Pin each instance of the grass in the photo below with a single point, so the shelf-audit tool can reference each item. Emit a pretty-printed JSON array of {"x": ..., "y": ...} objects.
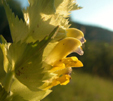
[{"x": 83, "y": 87}]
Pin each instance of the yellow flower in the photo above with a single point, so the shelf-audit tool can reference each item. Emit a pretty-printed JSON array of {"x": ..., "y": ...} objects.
[
  {"x": 76, "y": 33},
  {"x": 64, "y": 48},
  {"x": 63, "y": 80},
  {"x": 37, "y": 59},
  {"x": 62, "y": 64}
]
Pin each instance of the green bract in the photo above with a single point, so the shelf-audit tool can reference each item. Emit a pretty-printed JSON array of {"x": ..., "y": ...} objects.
[{"x": 26, "y": 60}]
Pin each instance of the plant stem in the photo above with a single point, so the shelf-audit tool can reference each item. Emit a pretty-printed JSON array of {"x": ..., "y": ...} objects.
[{"x": 8, "y": 81}]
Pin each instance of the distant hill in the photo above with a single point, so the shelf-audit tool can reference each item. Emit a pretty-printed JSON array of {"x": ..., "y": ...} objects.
[{"x": 94, "y": 33}]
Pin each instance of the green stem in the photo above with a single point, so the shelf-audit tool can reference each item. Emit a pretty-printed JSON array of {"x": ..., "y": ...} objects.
[{"x": 8, "y": 81}]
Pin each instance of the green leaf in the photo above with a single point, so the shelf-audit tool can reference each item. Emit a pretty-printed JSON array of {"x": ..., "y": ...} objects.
[
  {"x": 45, "y": 6},
  {"x": 36, "y": 21},
  {"x": 58, "y": 2},
  {"x": 4, "y": 46},
  {"x": 26, "y": 60},
  {"x": 2, "y": 72},
  {"x": 15, "y": 98},
  {"x": 2, "y": 40},
  {"x": 3, "y": 93},
  {"x": 64, "y": 7},
  {"x": 21, "y": 92},
  {"x": 76, "y": 7},
  {"x": 18, "y": 28},
  {"x": 26, "y": 63}
]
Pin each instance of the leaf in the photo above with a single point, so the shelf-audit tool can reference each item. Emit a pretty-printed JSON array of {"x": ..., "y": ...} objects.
[
  {"x": 26, "y": 61},
  {"x": 18, "y": 28},
  {"x": 16, "y": 98},
  {"x": 2, "y": 72},
  {"x": 65, "y": 7},
  {"x": 20, "y": 90},
  {"x": 45, "y": 6},
  {"x": 4, "y": 46},
  {"x": 76, "y": 7},
  {"x": 2, "y": 40},
  {"x": 58, "y": 2},
  {"x": 36, "y": 21},
  {"x": 21, "y": 93}
]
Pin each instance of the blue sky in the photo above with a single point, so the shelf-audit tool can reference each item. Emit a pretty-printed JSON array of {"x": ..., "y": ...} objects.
[{"x": 95, "y": 12}]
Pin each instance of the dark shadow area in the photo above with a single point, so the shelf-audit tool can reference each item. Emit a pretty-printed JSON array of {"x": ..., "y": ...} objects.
[{"x": 4, "y": 27}]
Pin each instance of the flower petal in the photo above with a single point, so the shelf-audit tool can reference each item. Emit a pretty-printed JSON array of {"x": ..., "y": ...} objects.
[
  {"x": 58, "y": 66},
  {"x": 64, "y": 71},
  {"x": 62, "y": 49},
  {"x": 65, "y": 79},
  {"x": 72, "y": 62},
  {"x": 76, "y": 33},
  {"x": 79, "y": 51},
  {"x": 78, "y": 64},
  {"x": 73, "y": 32}
]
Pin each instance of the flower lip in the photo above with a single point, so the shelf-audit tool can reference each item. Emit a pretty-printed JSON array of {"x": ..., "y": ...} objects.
[
  {"x": 62, "y": 49},
  {"x": 83, "y": 40}
]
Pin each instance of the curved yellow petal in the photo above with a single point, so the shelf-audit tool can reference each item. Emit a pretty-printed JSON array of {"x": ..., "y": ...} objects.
[
  {"x": 76, "y": 33},
  {"x": 62, "y": 49},
  {"x": 71, "y": 62},
  {"x": 64, "y": 71},
  {"x": 78, "y": 64},
  {"x": 58, "y": 66},
  {"x": 73, "y": 32},
  {"x": 54, "y": 83},
  {"x": 69, "y": 59},
  {"x": 65, "y": 79}
]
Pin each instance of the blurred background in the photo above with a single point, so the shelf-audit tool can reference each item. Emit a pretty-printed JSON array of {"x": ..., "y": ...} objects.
[{"x": 94, "y": 81}]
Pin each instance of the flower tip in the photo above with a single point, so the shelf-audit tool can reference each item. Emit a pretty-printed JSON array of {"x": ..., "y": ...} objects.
[
  {"x": 79, "y": 51},
  {"x": 83, "y": 40},
  {"x": 79, "y": 64},
  {"x": 76, "y": 33}
]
